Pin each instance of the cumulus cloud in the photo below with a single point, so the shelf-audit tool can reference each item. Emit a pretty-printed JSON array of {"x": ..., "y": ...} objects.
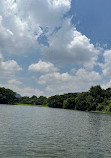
[
  {"x": 14, "y": 81},
  {"x": 58, "y": 83},
  {"x": 106, "y": 66},
  {"x": 28, "y": 91},
  {"x": 67, "y": 45},
  {"x": 46, "y": 13},
  {"x": 106, "y": 85},
  {"x": 24, "y": 22},
  {"x": 54, "y": 77},
  {"x": 22, "y": 90},
  {"x": 42, "y": 66},
  {"x": 16, "y": 34},
  {"x": 8, "y": 67}
]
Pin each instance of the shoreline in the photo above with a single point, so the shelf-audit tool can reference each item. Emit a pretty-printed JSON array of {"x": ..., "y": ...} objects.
[
  {"x": 100, "y": 112},
  {"x": 33, "y": 105}
]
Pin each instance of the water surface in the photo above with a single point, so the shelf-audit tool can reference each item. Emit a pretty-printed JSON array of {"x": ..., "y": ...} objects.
[{"x": 30, "y": 132}]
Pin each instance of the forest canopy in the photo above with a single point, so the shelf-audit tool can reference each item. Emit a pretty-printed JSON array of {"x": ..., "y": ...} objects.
[{"x": 96, "y": 99}]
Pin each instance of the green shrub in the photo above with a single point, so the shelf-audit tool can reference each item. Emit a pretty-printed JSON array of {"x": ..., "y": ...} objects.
[{"x": 100, "y": 107}]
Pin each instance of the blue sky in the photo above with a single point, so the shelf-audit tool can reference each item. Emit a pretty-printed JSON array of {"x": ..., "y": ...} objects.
[
  {"x": 50, "y": 47},
  {"x": 94, "y": 18}
]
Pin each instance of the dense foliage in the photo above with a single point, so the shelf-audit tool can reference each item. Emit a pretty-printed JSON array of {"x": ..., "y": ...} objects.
[
  {"x": 33, "y": 100},
  {"x": 7, "y": 96},
  {"x": 69, "y": 103},
  {"x": 96, "y": 99}
]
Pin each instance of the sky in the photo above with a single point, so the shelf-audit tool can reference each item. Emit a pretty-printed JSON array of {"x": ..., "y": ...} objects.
[{"x": 50, "y": 47}]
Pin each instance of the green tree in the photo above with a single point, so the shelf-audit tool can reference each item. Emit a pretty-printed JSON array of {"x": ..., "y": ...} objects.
[
  {"x": 7, "y": 96},
  {"x": 3, "y": 99},
  {"x": 97, "y": 93},
  {"x": 41, "y": 100},
  {"x": 24, "y": 100},
  {"x": 107, "y": 93},
  {"x": 69, "y": 103},
  {"x": 81, "y": 101},
  {"x": 91, "y": 104},
  {"x": 33, "y": 100},
  {"x": 100, "y": 107},
  {"x": 55, "y": 101}
]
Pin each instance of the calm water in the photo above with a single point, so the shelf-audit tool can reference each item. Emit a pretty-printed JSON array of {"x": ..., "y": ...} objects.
[{"x": 30, "y": 132}]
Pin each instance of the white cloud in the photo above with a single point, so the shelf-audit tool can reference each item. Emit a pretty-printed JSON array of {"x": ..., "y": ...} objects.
[
  {"x": 11, "y": 66},
  {"x": 14, "y": 81},
  {"x": 82, "y": 50},
  {"x": 28, "y": 91},
  {"x": 42, "y": 66},
  {"x": 22, "y": 24},
  {"x": 106, "y": 66},
  {"x": 23, "y": 91},
  {"x": 16, "y": 34},
  {"x": 106, "y": 85},
  {"x": 8, "y": 67},
  {"x": 67, "y": 45},
  {"x": 46, "y": 13},
  {"x": 54, "y": 78},
  {"x": 58, "y": 83},
  {"x": 58, "y": 3}
]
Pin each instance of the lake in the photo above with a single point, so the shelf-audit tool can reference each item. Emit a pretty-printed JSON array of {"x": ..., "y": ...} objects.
[{"x": 30, "y": 132}]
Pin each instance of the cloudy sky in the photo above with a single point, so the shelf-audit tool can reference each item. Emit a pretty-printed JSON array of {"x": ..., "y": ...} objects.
[{"x": 50, "y": 47}]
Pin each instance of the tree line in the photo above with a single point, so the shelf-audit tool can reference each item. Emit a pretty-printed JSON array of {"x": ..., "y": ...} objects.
[{"x": 96, "y": 99}]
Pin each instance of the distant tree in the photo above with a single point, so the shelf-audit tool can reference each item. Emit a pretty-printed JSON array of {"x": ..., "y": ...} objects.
[
  {"x": 24, "y": 100},
  {"x": 41, "y": 100},
  {"x": 7, "y": 96},
  {"x": 69, "y": 103},
  {"x": 3, "y": 99},
  {"x": 55, "y": 101},
  {"x": 91, "y": 104},
  {"x": 33, "y": 100},
  {"x": 69, "y": 95},
  {"x": 33, "y": 97},
  {"x": 97, "y": 93},
  {"x": 81, "y": 101},
  {"x": 107, "y": 93}
]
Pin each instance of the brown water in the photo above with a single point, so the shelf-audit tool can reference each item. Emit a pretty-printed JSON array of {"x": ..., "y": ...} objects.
[{"x": 30, "y": 132}]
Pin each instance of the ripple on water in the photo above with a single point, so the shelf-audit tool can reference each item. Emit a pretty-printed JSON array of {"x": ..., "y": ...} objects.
[{"x": 27, "y": 131}]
